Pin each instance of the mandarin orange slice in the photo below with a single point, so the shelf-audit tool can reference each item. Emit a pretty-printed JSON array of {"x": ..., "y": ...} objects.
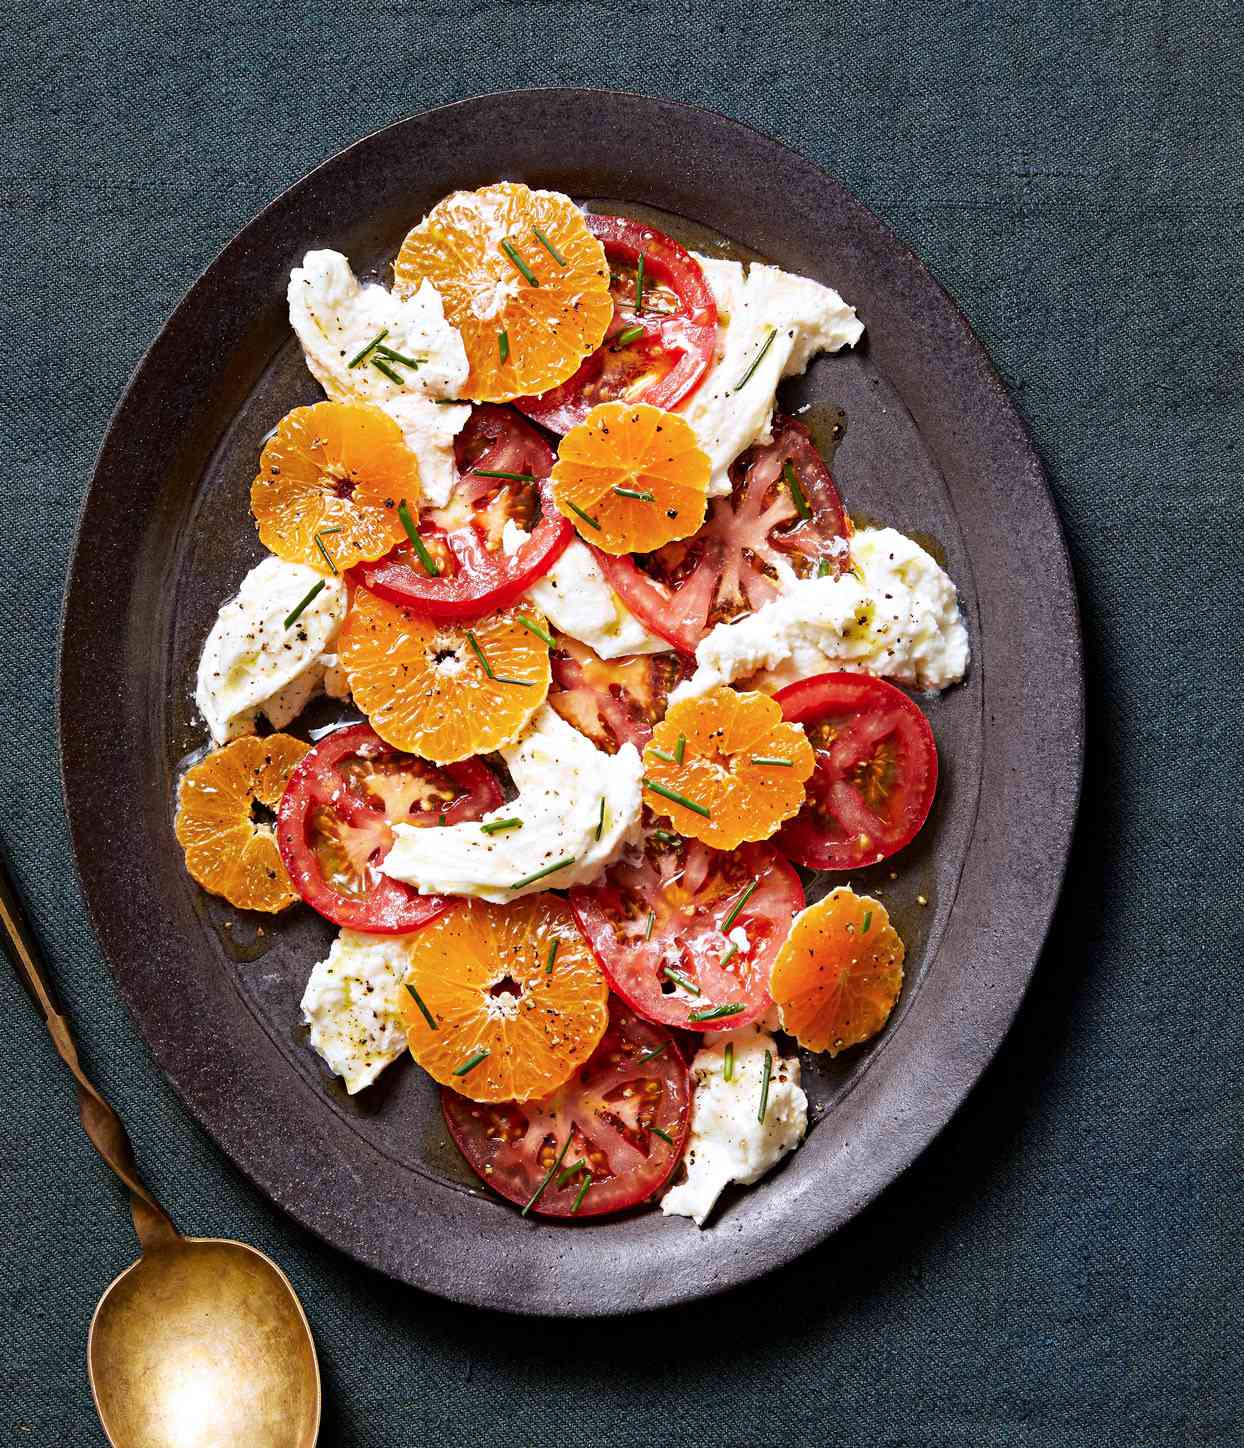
[
  {"x": 440, "y": 690},
  {"x": 725, "y": 767},
  {"x": 508, "y": 1000},
  {"x": 631, "y": 477},
  {"x": 838, "y": 973},
  {"x": 228, "y": 850},
  {"x": 521, "y": 277},
  {"x": 336, "y": 468}
]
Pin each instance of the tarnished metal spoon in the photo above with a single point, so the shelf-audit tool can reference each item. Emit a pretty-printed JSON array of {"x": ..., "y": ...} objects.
[{"x": 202, "y": 1343}]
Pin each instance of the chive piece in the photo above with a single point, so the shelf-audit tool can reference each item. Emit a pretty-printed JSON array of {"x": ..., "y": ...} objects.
[
  {"x": 324, "y": 553},
  {"x": 771, "y": 759},
  {"x": 432, "y": 567},
  {"x": 390, "y": 355},
  {"x": 442, "y": 818},
  {"x": 552, "y": 955},
  {"x": 653, "y": 1054},
  {"x": 503, "y": 347},
  {"x": 494, "y": 827},
  {"x": 540, "y": 874},
  {"x": 518, "y": 683},
  {"x": 796, "y": 492},
  {"x": 756, "y": 361},
  {"x": 667, "y": 837},
  {"x": 378, "y": 338},
  {"x": 600, "y": 819},
  {"x": 449, "y": 402},
  {"x": 472, "y": 1061},
  {"x": 587, "y": 517},
  {"x": 568, "y": 1173},
  {"x": 548, "y": 246},
  {"x": 727, "y": 1066},
  {"x": 528, "y": 275},
  {"x": 748, "y": 891},
  {"x": 509, "y": 477},
  {"x": 539, "y": 1191},
  {"x": 639, "y": 284},
  {"x": 678, "y": 798},
  {"x": 304, "y": 603},
  {"x": 661, "y": 754},
  {"x": 636, "y": 494},
  {"x": 418, "y": 1000},
  {"x": 382, "y": 366},
  {"x": 664, "y": 1135},
  {"x": 765, "y": 1077},
  {"x": 624, "y": 339},
  {"x": 534, "y": 628},
  {"x": 679, "y": 979},
  {"x": 716, "y": 1014},
  {"x": 731, "y": 951},
  {"x": 578, "y": 1201},
  {"x": 680, "y": 749},
  {"x": 822, "y": 568},
  {"x": 479, "y": 653},
  {"x": 868, "y": 920},
  {"x": 652, "y": 920}
]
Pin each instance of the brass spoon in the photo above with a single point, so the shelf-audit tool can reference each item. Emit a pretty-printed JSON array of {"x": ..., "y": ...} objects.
[{"x": 202, "y": 1343}]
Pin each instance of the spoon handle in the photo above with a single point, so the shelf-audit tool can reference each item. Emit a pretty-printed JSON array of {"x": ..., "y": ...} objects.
[{"x": 100, "y": 1121}]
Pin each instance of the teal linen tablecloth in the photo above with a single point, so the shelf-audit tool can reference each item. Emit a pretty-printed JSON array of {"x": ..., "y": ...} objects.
[{"x": 1062, "y": 1267}]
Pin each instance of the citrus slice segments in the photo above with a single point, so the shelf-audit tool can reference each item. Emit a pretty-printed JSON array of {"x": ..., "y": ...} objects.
[
  {"x": 521, "y": 277},
  {"x": 726, "y": 768},
  {"x": 516, "y": 996},
  {"x": 332, "y": 478},
  {"x": 441, "y": 690},
  {"x": 839, "y": 972},
  {"x": 228, "y": 850},
  {"x": 631, "y": 478}
]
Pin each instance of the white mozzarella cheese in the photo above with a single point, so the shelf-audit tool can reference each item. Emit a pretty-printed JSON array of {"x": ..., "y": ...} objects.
[{"x": 352, "y": 1005}]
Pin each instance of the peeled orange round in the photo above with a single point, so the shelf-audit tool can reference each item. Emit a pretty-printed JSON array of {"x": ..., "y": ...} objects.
[
  {"x": 507, "y": 1001},
  {"x": 440, "y": 690},
  {"x": 838, "y": 973},
  {"x": 230, "y": 851},
  {"x": 631, "y": 477},
  {"x": 337, "y": 469},
  {"x": 521, "y": 277},
  {"x": 725, "y": 767}
]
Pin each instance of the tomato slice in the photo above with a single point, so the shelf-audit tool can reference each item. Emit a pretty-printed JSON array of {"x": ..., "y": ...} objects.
[
  {"x": 656, "y": 925},
  {"x": 875, "y": 775},
  {"x": 613, "y": 701},
  {"x": 335, "y": 825},
  {"x": 764, "y": 534},
  {"x": 668, "y": 358},
  {"x": 503, "y": 466},
  {"x": 626, "y": 1114}
]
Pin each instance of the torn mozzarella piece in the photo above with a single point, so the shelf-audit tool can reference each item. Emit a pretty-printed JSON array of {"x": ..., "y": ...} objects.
[{"x": 352, "y": 1005}]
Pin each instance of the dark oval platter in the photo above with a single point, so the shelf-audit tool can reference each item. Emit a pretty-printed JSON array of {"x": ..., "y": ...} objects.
[{"x": 932, "y": 444}]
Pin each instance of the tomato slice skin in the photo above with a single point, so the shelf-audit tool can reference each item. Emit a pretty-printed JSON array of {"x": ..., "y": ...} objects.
[
  {"x": 690, "y": 890},
  {"x": 865, "y": 732},
  {"x": 328, "y": 803},
  {"x": 511, "y": 1145},
  {"x": 476, "y": 575},
  {"x": 613, "y": 701},
  {"x": 664, "y": 366},
  {"x": 750, "y": 543}
]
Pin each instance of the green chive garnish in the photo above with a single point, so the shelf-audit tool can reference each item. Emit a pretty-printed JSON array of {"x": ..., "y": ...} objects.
[
  {"x": 587, "y": 517},
  {"x": 432, "y": 567},
  {"x": 639, "y": 284},
  {"x": 661, "y": 754},
  {"x": 756, "y": 361},
  {"x": 552, "y": 955},
  {"x": 418, "y": 1000},
  {"x": 375, "y": 341},
  {"x": 636, "y": 494},
  {"x": 765, "y": 1077},
  {"x": 578, "y": 1201},
  {"x": 771, "y": 759},
  {"x": 731, "y": 951},
  {"x": 653, "y": 1054},
  {"x": 528, "y": 275},
  {"x": 304, "y": 603},
  {"x": 652, "y": 920},
  {"x": 600, "y": 819},
  {"x": 716, "y": 1014},
  {"x": 442, "y": 819},
  {"x": 796, "y": 492},
  {"x": 727, "y": 1065},
  {"x": 748, "y": 891},
  {"x": 449, "y": 402},
  {"x": 679, "y": 979},
  {"x": 534, "y": 628},
  {"x": 324, "y": 553},
  {"x": 509, "y": 477},
  {"x": 680, "y": 749},
  {"x": 677, "y": 798},
  {"x": 494, "y": 827},
  {"x": 472, "y": 1061},
  {"x": 822, "y": 568},
  {"x": 568, "y": 1173},
  {"x": 390, "y": 355},
  {"x": 382, "y": 366},
  {"x": 540, "y": 874},
  {"x": 503, "y": 346},
  {"x": 664, "y": 1135},
  {"x": 868, "y": 920},
  {"x": 667, "y": 837},
  {"x": 539, "y": 1191},
  {"x": 624, "y": 339},
  {"x": 548, "y": 246}
]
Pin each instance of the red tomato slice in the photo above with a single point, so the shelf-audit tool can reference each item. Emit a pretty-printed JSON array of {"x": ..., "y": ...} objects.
[
  {"x": 335, "y": 826},
  {"x": 655, "y": 924},
  {"x": 476, "y": 576},
  {"x": 613, "y": 701},
  {"x": 626, "y": 1114},
  {"x": 875, "y": 776},
  {"x": 764, "y": 532},
  {"x": 678, "y": 317}
]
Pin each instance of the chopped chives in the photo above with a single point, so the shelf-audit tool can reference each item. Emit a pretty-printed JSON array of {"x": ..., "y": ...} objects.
[
  {"x": 479, "y": 653},
  {"x": 868, "y": 920},
  {"x": 664, "y": 1135},
  {"x": 652, "y": 920},
  {"x": 796, "y": 492},
  {"x": 727, "y": 1065},
  {"x": 667, "y": 837},
  {"x": 494, "y": 827},
  {"x": 303, "y": 603},
  {"x": 382, "y": 366},
  {"x": 503, "y": 346},
  {"x": 680, "y": 749},
  {"x": 678, "y": 798},
  {"x": 324, "y": 553},
  {"x": 587, "y": 517},
  {"x": 529, "y": 276},
  {"x": 449, "y": 402},
  {"x": 568, "y": 1173},
  {"x": 653, "y": 1054},
  {"x": 518, "y": 683},
  {"x": 418, "y": 1000},
  {"x": 539, "y": 1191},
  {"x": 534, "y": 628},
  {"x": 731, "y": 951},
  {"x": 442, "y": 818},
  {"x": 431, "y": 566},
  {"x": 472, "y": 1061},
  {"x": 540, "y": 874},
  {"x": 552, "y": 955},
  {"x": 390, "y": 355},
  {"x": 624, "y": 339},
  {"x": 748, "y": 891},
  {"x": 600, "y": 819},
  {"x": 771, "y": 759},
  {"x": 635, "y": 493},
  {"x": 679, "y": 979},
  {"x": 661, "y": 754},
  {"x": 578, "y": 1201},
  {"x": 756, "y": 361},
  {"x": 822, "y": 568},
  {"x": 717, "y": 1013},
  {"x": 765, "y": 1077},
  {"x": 639, "y": 284},
  {"x": 375, "y": 341},
  {"x": 509, "y": 477},
  {"x": 548, "y": 246}
]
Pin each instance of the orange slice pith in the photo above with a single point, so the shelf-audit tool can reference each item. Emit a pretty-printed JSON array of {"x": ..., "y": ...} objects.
[
  {"x": 838, "y": 973},
  {"x": 423, "y": 684},
  {"x": 340, "y": 467},
  {"x": 227, "y": 851},
  {"x": 725, "y": 767},
  {"x": 482, "y": 972},
  {"x": 631, "y": 477},
  {"x": 519, "y": 338}
]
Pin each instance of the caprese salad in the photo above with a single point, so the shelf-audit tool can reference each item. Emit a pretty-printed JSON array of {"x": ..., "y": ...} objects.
[{"x": 620, "y": 670}]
